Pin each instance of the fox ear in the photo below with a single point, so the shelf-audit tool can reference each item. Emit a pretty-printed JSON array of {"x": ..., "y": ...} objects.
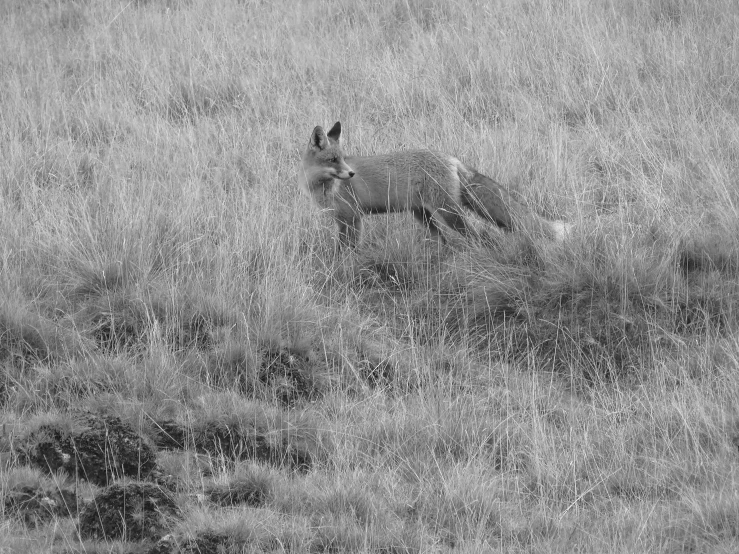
[
  {"x": 334, "y": 135},
  {"x": 318, "y": 139}
]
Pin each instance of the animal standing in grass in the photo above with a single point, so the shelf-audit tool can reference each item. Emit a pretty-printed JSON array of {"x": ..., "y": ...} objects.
[{"x": 433, "y": 186}]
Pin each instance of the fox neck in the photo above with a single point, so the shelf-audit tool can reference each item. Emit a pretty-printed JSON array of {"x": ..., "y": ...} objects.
[{"x": 317, "y": 182}]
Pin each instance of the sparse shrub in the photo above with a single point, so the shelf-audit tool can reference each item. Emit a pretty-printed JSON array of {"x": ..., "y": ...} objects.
[
  {"x": 128, "y": 511},
  {"x": 94, "y": 447}
]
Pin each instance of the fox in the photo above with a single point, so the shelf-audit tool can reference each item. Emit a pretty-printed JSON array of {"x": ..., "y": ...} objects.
[{"x": 433, "y": 186}]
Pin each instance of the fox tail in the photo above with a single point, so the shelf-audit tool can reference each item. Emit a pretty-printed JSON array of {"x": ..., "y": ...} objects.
[{"x": 494, "y": 203}]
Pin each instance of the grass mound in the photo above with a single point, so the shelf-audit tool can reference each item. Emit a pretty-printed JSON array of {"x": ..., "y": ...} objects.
[
  {"x": 593, "y": 309},
  {"x": 96, "y": 447},
  {"x": 131, "y": 511}
]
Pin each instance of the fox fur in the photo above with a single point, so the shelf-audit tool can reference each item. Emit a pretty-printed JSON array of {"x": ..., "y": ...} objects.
[{"x": 433, "y": 186}]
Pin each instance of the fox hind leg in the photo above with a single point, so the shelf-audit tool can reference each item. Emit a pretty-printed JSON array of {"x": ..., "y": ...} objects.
[
  {"x": 424, "y": 216},
  {"x": 454, "y": 219}
]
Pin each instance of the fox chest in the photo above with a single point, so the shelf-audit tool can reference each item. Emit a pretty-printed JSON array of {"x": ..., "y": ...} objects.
[{"x": 324, "y": 194}]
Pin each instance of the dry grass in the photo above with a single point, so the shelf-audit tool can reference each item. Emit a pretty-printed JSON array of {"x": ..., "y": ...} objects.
[{"x": 158, "y": 264}]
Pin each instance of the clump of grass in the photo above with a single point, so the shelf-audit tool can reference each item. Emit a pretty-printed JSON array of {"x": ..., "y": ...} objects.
[
  {"x": 285, "y": 375},
  {"x": 123, "y": 312},
  {"x": 591, "y": 309},
  {"x": 251, "y": 485},
  {"x": 233, "y": 429},
  {"x": 64, "y": 385},
  {"x": 27, "y": 337}
]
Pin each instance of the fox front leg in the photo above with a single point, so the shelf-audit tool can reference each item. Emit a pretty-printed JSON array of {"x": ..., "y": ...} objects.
[{"x": 349, "y": 229}]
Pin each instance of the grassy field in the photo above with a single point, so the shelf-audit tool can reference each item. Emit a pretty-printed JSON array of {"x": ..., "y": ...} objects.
[{"x": 166, "y": 288}]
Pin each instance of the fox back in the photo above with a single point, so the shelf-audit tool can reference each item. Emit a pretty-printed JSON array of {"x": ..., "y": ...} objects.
[{"x": 414, "y": 179}]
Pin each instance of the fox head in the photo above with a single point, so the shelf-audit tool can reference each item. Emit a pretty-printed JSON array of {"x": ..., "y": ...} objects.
[{"x": 323, "y": 159}]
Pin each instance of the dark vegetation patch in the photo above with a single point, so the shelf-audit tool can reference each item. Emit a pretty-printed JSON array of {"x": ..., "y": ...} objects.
[
  {"x": 129, "y": 511},
  {"x": 251, "y": 433},
  {"x": 70, "y": 17},
  {"x": 171, "y": 435},
  {"x": 256, "y": 439},
  {"x": 638, "y": 485},
  {"x": 383, "y": 362},
  {"x": 378, "y": 373},
  {"x": 121, "y": 322},
  {"x": 709, "y": 252},
  {"x": 285, "y": 376},
  {"x": 36, "y": 505},
  {"x": 92, "y": 446}
]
